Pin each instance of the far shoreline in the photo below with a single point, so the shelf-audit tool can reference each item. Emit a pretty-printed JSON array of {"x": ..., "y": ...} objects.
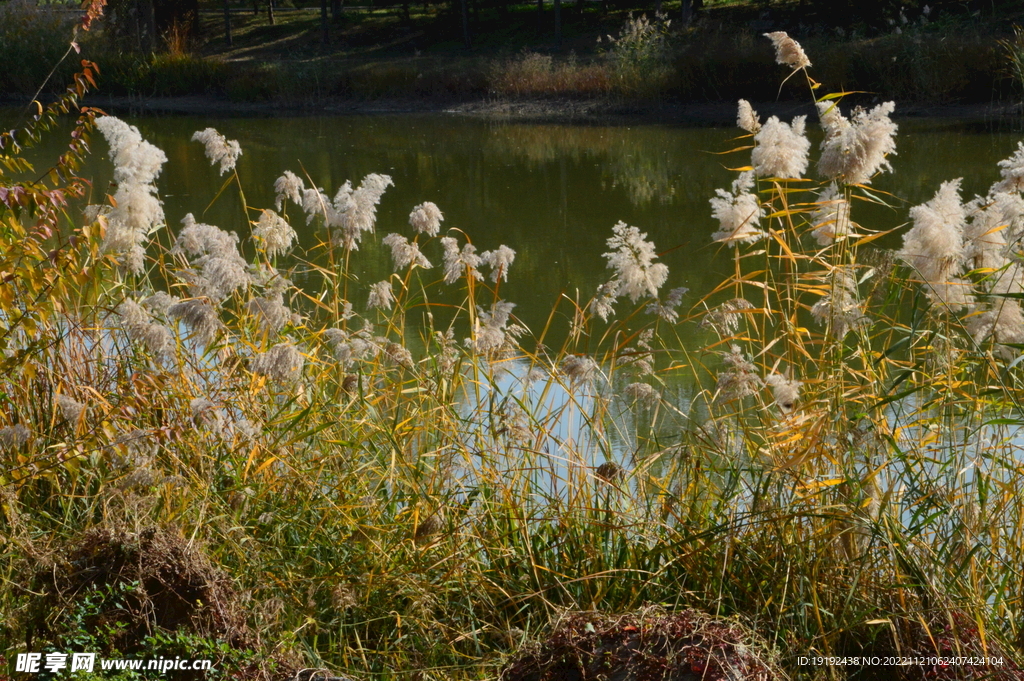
[{"x": 550, "y": 110}]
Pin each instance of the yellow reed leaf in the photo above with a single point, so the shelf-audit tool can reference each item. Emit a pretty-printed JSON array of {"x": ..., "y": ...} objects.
[
  {"x": 249, "y": 460},
  {"x": 265, "y": 464},
  {"x": 818, "y": 484},
  {"x": 733, "y": 151},
  {"x": 794, "y": 437},
  {"x": 872, "y": 237},
  {"x": 795, "y": 460}
]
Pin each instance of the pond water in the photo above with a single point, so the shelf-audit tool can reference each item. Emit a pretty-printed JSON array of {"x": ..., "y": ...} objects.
[{"x": 551, "y": 192}]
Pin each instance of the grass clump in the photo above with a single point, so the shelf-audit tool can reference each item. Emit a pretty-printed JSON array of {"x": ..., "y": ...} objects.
[
  {"x": 648, "y": 644},
  {"x": 401, "y": 479}
]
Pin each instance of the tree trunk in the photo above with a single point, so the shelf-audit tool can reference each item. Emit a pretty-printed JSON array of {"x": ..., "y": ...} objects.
[
  {"x": 465, "y": 24},
  {"x": 690, "y": 9},
  {"x": 657, "y": 7},
  {"x": 558, "y": 24},
  {"x": 336, "y": 9},
  {"x": 256, "y": 7},
  {"x": 150, "y": 25},
  {"x": 227, "y": 23},
  {"x": 540, "y": 16},
  {"x": 324, "y": 26},
  {"x": 270, "y": 12}
]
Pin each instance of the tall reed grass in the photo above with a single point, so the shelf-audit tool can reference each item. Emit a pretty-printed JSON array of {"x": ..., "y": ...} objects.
[{"x": 404, "y": 482}]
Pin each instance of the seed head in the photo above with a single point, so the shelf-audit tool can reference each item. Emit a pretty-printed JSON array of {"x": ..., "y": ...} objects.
[
  {"x": 282, "y": 363},
  {"x": 632, "y": 257},
  {"x": 499, "y": 260},
  {"x": 746, "y": 117},
  {"x": 578, "y": 368},
  {"x": 381, "y": 296},
  {"x": 404, "y": 253},
  {"x": 288, "y": 186},
  {"x": 781, "y": 149},
  {"x": 426, "y": 219},
  {"x": 219, "y": 149},
  {"x": 737, "y": 212},
  {"x": 788, "y": 51},
  {"x": 274, "y": 232}
]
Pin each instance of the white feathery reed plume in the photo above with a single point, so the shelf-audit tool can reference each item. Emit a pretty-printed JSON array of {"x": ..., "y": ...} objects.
[
  {"x": 136, "y": 212},
  {"x": 458, "y": 263},
  {"x": 274, "y": 232},
  {"x": 348, "y": 347},
  {"x": 934, "y": 246},
  {"x": 141, "y": 328},
  {"x": 737, "y": 212},
  {"x": 989, "y": 221},
  {"x": 739, "y": 379},
  {"x": 399, "y": 354},
  {"x": 282, "y": 363},
  {"x": 205, "y": 413},
  {"x": 70, "y": 408},
  {"x": 288, "y": 186},
  {"x": 781, "y": 149},
  {"x": 639, "y": 360},
  {"x": 491, "y": 334},
  {"x": 578, "y": 368},
  {"x": 855, "y": 149},
  {"x": 831, "y": 216},
  {"x": 785, "y": 391},
  {"x": 644, "y": 393},
  {"x": 404, "y": 253},
  {"x": 337, "y": 339},
  {"x": 499, "y": 260},
  {"x": 1003, "y": 322},
  {"x": 14, "y": 437},
  {"x": 603, "y": 304},
  {"x": 199, "y": 316},
  {"x": 788, "y": 51},
  {"x": 219, "y": 149},
  {"x": 222, "y": 269},
  {"x": 667, "y": 310},
  {"x": 1012, "y": 172},
  {"x": 381, "y": 296},
  {"x": 135, "y": 160},
  {"x": 632, "y": 258},
  {"x": 426, "y": 218},
  {"x": 350, "y": 213},
  {"x": 725, "y": 319},
  {"x": 271, "y": 312},
  {"x": 160, "y": 302},
  {"x": 746, "y": 117},
  {"x": 355, "y": 211}
]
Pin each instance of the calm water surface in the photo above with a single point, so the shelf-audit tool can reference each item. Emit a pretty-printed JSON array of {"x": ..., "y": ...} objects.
[{"x": 551, "y": 192}]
